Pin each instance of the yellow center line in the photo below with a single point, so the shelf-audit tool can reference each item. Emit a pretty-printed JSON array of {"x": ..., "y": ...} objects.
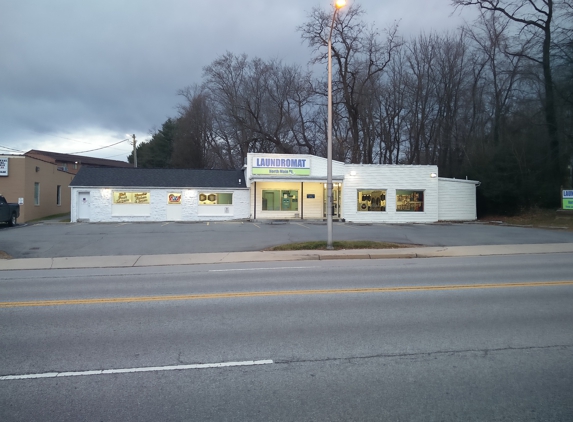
[{"x": 276, "y": 293}]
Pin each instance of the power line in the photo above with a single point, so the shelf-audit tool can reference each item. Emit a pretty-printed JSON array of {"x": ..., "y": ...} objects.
[
  {"x": 77, "y": 140},
  {"x": 11, "y": 149},
  {"x": 69, "y": 139},
  {"x": 117, "y": 155},
  {"x": 97, "y": 149}
]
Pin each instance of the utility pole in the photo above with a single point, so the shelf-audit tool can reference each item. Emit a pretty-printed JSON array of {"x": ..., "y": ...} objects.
[{"x": 134, "y": 151}]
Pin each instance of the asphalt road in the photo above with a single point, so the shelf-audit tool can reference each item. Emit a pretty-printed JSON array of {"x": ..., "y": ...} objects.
[
  {"x": 51, "y": 240},
  {"x": 484, "y": 338}
]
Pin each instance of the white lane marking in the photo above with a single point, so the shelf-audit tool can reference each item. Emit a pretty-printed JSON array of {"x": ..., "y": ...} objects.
[
  {"x": 258, "y": 227},
  {"x": 164, "y": 224},
  {"x": 121, "y": 224},
  {"x": 258, "y": 269},
  {"x": 302, "y": 225},
  {"x": 134, "y": 370}
]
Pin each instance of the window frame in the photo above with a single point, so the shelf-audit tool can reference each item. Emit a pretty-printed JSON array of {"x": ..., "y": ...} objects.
[
  {"x": 211, "y": 198},
  {"x": 365, "y": 204},
  {"x": 411, "y": 200},
  {"x": 281, "y": 192},
  {"x": 37, "y": 194}
]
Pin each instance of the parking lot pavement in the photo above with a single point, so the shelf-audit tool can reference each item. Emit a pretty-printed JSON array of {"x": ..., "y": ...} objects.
[{"x": 52, "y": 240}]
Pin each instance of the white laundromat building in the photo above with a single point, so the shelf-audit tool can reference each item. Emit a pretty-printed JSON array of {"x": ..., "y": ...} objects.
[{"x": 271, "y": 187}]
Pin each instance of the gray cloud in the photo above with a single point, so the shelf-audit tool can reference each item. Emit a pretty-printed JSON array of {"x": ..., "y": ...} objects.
[{"x": 72, "y": 67}]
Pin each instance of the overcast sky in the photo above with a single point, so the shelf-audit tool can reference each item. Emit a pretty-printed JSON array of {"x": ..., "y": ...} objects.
[{"x": 79, "y": 75}]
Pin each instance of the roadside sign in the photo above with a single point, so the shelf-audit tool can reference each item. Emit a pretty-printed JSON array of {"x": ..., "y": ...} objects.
[{"x": 568, "y": 199}]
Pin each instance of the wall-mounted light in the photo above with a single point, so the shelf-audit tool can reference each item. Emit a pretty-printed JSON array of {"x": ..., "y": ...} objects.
[
  {"x": 433, "y": 175},
  {"x": 353, "y": 173}
]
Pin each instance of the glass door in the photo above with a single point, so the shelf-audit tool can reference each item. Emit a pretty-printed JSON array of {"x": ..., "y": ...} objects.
[{"x": 336, "y": 200}]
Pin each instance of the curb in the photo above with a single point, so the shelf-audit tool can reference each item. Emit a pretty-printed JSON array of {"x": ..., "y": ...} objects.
[{"x": 142, "y": 261}]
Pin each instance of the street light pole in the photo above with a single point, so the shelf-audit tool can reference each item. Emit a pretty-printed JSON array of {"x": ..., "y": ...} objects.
[{"x": 338, "y": 4}]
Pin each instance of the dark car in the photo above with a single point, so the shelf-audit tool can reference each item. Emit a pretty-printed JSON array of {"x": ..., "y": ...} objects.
[{"x": 9, "y": 213}]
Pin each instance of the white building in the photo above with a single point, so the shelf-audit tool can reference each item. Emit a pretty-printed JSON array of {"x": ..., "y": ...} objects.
[{"x": 273, "y": 186}]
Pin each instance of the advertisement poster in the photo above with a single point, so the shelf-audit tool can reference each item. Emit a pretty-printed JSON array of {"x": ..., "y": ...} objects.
[
  {"x": 131, "y": 197},
  {"x": 174, "y": 198}
]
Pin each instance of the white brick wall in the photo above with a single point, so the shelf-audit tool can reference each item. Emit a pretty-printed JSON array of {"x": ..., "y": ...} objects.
[
  {"x": 103, "y": 210},
  {"x": 457, "y": 200},
  {"x": 444, "y": 199}
]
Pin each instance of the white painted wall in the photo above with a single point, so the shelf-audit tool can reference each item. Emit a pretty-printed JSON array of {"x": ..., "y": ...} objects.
[
  {"x": 457, "y": 199},
  {"x": 390, "y": 178},
  {"x": 102, "y": 208}
]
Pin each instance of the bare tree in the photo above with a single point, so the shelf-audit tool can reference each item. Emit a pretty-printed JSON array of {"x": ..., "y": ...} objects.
[
  {"x": 535, "y": 18},
  {"x": 359, "y": 58},
  {"x": 261, "y": 106}
]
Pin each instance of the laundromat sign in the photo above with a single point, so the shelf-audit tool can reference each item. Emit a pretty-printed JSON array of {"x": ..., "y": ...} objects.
[{"x": 281, "y": 166}]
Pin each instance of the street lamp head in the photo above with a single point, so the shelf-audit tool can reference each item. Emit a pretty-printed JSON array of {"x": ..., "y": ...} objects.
[{"x": 340, "y": 3}]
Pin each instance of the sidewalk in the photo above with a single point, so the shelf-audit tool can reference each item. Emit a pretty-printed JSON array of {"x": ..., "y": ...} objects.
[{"x": 268, "y": 256}]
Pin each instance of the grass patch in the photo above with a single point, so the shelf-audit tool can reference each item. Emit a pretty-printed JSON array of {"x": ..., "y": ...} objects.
[
  {"x": 536, "y": 217},
  {"x": 338, "y": 245}
]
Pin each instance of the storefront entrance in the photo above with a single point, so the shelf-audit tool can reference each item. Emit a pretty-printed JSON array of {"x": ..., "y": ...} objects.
[{"x": 336, "y": 200}]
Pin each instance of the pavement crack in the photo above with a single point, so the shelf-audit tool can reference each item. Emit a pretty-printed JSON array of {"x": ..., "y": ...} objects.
[{"x": 484, "y": 353}]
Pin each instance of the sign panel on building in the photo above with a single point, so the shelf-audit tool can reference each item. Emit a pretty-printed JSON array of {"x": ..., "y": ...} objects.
[
  {"x": 4, "y": 166},
  {"x": 174, "y": 198},
  {"x": 281, "y": 166},
  {"x": 130, "y": 197}
]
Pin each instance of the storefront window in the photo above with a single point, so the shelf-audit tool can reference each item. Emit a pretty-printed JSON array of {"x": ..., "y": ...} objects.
[
  {"x": 215, "y": 198},
  {"x": 371, "y": 200},
  {"x": 130, "y": 197},
  {"x": 280, "y": 200},
  {"x": 410, "y": 200}
]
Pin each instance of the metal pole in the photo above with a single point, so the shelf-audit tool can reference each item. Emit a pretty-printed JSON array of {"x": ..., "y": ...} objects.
[
  {"x": 329, "y": 143},
  {"x": 134, "y": 152}
]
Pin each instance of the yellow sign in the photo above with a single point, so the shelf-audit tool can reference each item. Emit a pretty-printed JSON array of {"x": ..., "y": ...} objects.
[{"x": 131, "y": 197}]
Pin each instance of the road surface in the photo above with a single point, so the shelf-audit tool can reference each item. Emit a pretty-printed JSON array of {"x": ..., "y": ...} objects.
[{"x": 484, "y": 338}]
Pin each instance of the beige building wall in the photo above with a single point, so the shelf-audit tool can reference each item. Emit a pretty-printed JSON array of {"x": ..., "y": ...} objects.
[
  {"x": 12, "y": 186},
  {"x": 23, "y": 173}
]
